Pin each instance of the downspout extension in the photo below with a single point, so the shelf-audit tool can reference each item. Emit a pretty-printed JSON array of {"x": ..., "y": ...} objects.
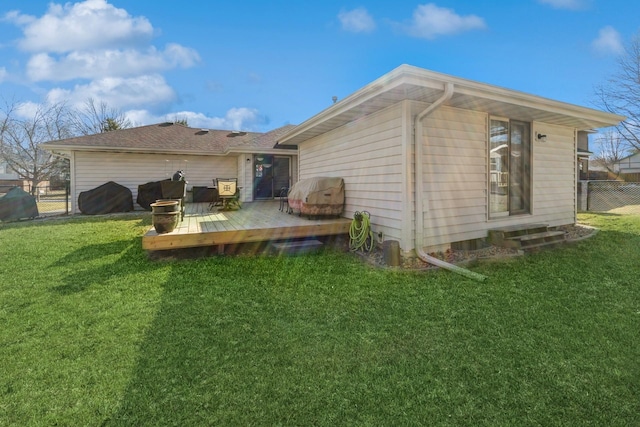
[{"x": 419, "y": 209}]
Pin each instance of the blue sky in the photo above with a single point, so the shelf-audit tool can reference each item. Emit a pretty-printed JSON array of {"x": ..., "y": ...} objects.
[{"x": 256, "y": 65}]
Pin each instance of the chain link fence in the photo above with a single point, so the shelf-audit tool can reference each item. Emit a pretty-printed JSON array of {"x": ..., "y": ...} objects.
[
  {"x": 51, "y": 200},
  {"x": 609, "y": 196}
]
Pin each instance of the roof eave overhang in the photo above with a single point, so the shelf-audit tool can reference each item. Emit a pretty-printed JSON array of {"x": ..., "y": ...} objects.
[
  {"x": 261, "y": 150},
  {"x": 416, "y": 84},
  {"x": 84, "y": 148},
  {"x": 66, "y": 150}
]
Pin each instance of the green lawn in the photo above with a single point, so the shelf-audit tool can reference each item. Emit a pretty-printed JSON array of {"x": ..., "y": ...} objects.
[{"x": 95, "y": 333}]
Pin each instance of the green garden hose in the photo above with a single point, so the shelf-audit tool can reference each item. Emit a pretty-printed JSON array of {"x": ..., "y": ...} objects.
[{"x": 360, "y": 234}]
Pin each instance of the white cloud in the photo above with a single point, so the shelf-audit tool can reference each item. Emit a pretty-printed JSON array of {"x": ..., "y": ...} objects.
[
  {"x": 566, "y": 4},
  {"x": 28, "y": 109},
  {"x": 105, "y": 54},
  {"x": 235, "y": 119},
  {"x": 17, "y": 18},
  {"x": 357, "y": 21},
  {"x": 609, "y": 41},
  {"x": 238, "y": 118},
  {"x": 109, "y": 63},
  {"x": 90, "y": 24},
  {"x": 119, "y": 93},
  {"x": 430, "y": 21}
]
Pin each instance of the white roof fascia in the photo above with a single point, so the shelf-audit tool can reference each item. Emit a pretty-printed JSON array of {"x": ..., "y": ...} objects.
[{"x": 406, "y": 74}]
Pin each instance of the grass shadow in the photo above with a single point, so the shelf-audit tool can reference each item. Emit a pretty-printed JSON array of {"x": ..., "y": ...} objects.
[
  {"x": 125, "y": 260},
  {"x": 215, "y": 325},
  {"x": 327, "y": 341}
]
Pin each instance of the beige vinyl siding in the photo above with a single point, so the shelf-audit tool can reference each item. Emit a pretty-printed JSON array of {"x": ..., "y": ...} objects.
[
  {"x": 630, "y": 164},
  {"x": 554, "y": 175},
  {"x": 294, "y": 170},
  {"x": 368, "y": 155},
  {"x": 245, "y": 177},
  {"x": 92, "y": 169},
  {"x": 455, "y": 176}
]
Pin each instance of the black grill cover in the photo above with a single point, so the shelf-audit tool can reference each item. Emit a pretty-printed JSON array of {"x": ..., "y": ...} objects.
[
  {"x": 110, "y": 197},
  {"x": 17, "y": 204},
  {"x": 148, "y": 193}
]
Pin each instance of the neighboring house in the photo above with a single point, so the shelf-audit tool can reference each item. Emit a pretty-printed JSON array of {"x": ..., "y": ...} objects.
[
  {"x": 629, "y": 165},
  {"x": 583, "y": 154},
  {"x": 437, "y": 159},
  {"x": 144, "y": 154},
  {"x": 10, "y": 179},
  {"x": 5, "y": 172}
]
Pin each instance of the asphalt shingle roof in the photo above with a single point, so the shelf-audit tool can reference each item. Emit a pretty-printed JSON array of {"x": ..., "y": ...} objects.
[{"x": 173, "y": 137}]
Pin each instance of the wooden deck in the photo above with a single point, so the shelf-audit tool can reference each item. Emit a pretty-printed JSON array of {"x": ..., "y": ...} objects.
[{"x": 255, "y": 222}]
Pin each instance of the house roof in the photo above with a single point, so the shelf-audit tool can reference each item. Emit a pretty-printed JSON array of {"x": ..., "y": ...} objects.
[
  {"x": 583, "y": 153},
  {"x": 172, "y": 138},
  {"x": 416, "y": 84},
  {"x": 637, "y": 153}
]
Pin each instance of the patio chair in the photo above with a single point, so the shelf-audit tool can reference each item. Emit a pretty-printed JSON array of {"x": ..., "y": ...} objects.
[
  {"x": 228, "y": 193},
  {"x": 284, "y": 201},
  {"x": 215, "y": 201}
]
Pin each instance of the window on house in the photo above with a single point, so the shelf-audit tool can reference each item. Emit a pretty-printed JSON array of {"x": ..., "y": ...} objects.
[{"x": 509, "y": 167}]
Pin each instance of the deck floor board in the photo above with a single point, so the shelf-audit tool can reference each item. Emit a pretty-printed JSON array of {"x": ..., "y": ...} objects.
[{"x": 255, "y": 221}]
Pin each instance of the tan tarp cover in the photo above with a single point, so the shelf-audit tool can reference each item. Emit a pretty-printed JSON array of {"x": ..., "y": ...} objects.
[{"x": 318, "y": 196}]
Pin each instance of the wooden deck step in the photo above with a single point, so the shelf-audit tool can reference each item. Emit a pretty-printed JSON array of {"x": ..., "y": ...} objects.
[{"x": 297, "y": 247}]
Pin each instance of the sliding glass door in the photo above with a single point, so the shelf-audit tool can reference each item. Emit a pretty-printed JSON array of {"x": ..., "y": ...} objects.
[
  {"x": 269, "y": 175},
  {"x": 509, "y": 167}
]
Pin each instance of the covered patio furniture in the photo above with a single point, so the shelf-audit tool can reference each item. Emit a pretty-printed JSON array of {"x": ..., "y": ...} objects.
[
  {"x": 204, "y": 194},
  {"x": 109, "y": 197},
  {"x": 317, "y": 196},
  {"x": 228, "y": 193},
  {"x": 148, "y": 193},
  {"x": 17, "y": 204},
  {"x": 175, "y": 190}
]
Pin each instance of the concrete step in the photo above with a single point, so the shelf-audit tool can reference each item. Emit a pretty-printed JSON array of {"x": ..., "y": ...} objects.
[
  {"x": 538, "y": 240},
  {"x": 498, "y": 236}
]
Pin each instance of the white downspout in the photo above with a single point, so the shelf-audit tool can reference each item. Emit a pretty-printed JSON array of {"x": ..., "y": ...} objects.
[{"x": 419, "y": 208}]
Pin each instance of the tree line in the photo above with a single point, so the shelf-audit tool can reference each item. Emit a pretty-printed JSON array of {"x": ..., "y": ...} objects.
[{"x": 24, "y": 127}]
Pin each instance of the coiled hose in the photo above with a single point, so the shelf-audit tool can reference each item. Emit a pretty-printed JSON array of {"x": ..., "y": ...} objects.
[{"x": 360, "y": 234}]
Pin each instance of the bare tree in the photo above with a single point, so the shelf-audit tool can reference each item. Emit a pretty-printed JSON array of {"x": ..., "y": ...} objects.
[
  {"x": 21, "y": 135},
  {"x": 97, "y": 117},
  {"x": 611, "y": 148},
  {"x": 620, "y": 94},
  {"x": 180, "y": 120}
]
